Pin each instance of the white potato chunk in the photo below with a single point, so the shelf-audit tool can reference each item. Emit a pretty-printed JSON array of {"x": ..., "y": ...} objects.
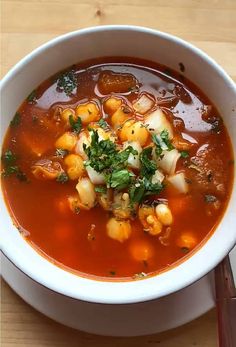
[
  {"x": 169, "y": 160},
  {"x": 87, "y": 195},
  {"x": 95, "y": 177},
  {"x": 156, "y": 122},
  {"x": 178, "y": 181},
  {"x": 118, "y": 230},
  {"x": 74, "y": 166},
  {"x": 133, "y": 160},
  {"x": 143, "y": 104}
]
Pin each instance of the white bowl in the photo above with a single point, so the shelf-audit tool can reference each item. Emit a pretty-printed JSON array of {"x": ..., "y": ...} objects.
[{"x": 137, "y": 42}]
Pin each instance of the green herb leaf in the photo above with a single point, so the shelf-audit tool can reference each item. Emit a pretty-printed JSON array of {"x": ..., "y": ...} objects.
[
  {"x": 184, "y": 154},
  {"x": 148, "y": 166},
  {"x": 67, "y": 82},
  {"x": 103, "y": 124},
  {"x": 137, "y": 192},
  {"x": 210, "y": 198},
  {"x": 76, "y": 125},
  {"x": 61, "y": 153},
  {"x": 16, "y": 120},
  {"x": 142, "y": 188},
  {"x": 9, "y": 170},
  {"x": 101, "y": 154},
  {"x": 8, "y": 157},
  {"x": 165, "y": 138},
  {"x": 100, "y": 189},
  {"x": 62, "y": 178},
  {"x": 31, "y": 98},
  {"x": 120, "y": 179}
]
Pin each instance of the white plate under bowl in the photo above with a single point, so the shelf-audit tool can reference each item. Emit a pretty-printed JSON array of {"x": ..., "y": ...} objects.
[{"x": 116, "y": 320}]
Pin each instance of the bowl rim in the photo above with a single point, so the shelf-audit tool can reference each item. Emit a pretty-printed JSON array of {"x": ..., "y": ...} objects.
[{"x": 148, "y": 292}]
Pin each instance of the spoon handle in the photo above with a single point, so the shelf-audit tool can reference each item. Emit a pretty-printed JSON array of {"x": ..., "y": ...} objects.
[{"x": 225, "y": 304}]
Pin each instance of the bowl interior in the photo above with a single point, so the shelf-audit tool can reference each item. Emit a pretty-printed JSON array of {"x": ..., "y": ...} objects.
[{"x": 115, "y": 41}]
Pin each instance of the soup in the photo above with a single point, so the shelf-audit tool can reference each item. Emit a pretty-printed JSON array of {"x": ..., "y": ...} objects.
[{"x": 117, "y": 168}]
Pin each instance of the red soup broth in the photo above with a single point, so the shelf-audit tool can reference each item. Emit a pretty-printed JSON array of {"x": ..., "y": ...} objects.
[{"x": 124, "y": 240}]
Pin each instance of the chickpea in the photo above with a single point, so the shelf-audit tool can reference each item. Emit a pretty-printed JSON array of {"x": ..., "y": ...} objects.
[
  {"x": 118, "y": 230},
  {"x": 104, "y": 135},
  {"x": 121, "y": 205},
  {"x": 111, "y": 105},
  {"x": 66, "y": 141},
  {"x": 75, "y": 166},
  {"x": 66, "y": 113},
  {"x": 164, "y": 214},
  {"x": 104, "y": 200},
  {"x": 119, "y": 117},
  {"x": 88, "y": 112},
  {"x": 134, "y": 131},
  {"x": 141, "y": 250},
  {"x": 149, "y": 220},
  {"x": 87, "y": 195},
  {"x": 186, "y": 240}
]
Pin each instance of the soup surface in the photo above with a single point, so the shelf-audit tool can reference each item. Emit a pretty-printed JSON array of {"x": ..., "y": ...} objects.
[{"x": 116, "y": 168}]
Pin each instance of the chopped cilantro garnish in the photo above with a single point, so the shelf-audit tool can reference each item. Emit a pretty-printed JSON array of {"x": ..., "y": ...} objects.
[
  {"x": 32, "y": 97},
  {"x": 100, "y": 189},
  {"x": 148, "y": 166},
  {"x": 120, "y": 179},
  {"x": 9, "y": 170},
  {"x": 143, "y": 188},
  {"x": 162, "y": 142},
  {"x": 184, "y": 154},
  {"x": 104, "y": 156},
  {"x": 103, "y": 124},
  {"x": 16, "y": 120},
  {"x": 165, "y": 138},
  {"x": 62, "y": 178},
  {"x": 8, "y": 157},
  {"x": 67, "y": 82},
  {"x": 61, "y": 153},
  {"x": 76, "y": 125},
  {"x": 10, "y": 167}
]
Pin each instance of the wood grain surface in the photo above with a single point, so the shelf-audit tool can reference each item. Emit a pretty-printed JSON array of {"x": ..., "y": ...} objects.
[{"x": 25, "y": 24}]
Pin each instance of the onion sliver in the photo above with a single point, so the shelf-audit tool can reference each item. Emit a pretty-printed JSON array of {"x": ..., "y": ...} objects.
[
  {"x": 143, "y": 104},
  {"x": 95, "y": 177},
  {"x": 178, "y": 181},
  {"x": 157, "y": 122},
  {"x": 169, "y": 161}
]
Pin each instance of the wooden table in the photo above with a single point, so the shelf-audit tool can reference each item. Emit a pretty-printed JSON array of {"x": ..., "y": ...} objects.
[{"x": 210, "y": 25}]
